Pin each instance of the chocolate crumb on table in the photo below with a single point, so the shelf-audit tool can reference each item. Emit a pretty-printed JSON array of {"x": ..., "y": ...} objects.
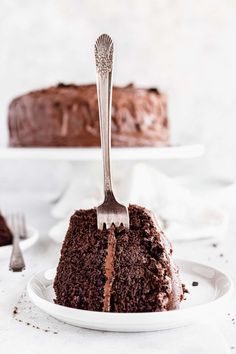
[
  {"x": 48, "y": 330},
  {"x": 195, "y": 283},
  {"x": 15, "y": 311},
  {"x": 214, "y": 245}
]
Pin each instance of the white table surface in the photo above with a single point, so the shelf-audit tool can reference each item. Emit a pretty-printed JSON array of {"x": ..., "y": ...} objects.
[{"x": 207, "y": 337}]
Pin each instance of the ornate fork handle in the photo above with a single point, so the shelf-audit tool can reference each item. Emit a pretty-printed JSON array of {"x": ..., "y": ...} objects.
[
  {"x": 104, "y": 66},
  {"x": 110, "y": 211},
  {"x": 17, "y": 263}
]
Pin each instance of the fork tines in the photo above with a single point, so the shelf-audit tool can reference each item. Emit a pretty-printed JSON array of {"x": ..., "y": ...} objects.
[
  {"x": 17, "y": 224},
  {"x": 111, "y": 212}
]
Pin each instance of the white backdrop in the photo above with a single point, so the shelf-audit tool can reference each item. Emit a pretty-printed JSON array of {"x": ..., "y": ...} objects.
[{"x": 185, "y": 47}]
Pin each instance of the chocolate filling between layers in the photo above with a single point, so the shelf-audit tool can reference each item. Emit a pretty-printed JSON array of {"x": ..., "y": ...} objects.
[{"x": 109, "y": 269}]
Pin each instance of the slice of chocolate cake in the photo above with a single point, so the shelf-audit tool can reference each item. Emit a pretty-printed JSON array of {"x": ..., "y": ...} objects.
[
  {"x": 117, "y": 270},
  {"x": 5, "y": 232}
]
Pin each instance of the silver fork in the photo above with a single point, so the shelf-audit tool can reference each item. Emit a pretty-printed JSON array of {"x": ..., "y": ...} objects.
[
  {"x": 110, "y": 211},
  {"x": 16, "y": 223}
]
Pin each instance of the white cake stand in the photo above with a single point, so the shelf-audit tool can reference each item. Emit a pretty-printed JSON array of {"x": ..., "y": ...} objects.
[{"x": 94, "y": 154}]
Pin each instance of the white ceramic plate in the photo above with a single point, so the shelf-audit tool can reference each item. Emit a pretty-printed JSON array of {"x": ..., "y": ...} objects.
[
  {"x": 33, "y": 235},
  {"x": 93, "y": 154},
  {"x": 206, "y": 299}
]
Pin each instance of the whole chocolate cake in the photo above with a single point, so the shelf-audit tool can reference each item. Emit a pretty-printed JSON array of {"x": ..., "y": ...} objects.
[
  {"x": 67, "y": 115},
  {"x": 5, "y": 233},
  {"x": 117, "y": 270}
]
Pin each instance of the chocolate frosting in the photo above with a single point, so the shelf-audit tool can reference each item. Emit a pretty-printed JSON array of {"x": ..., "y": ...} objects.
[
  {"x": 176, "y": 288},
  {"x": 67, "y": 115}
]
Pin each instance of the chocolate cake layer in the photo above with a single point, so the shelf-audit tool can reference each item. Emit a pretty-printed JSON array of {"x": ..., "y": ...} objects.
[
  {"x": 80, "y": 278},
  {"x": 144, "y": 271},
  {"x": 67, "y": 115},
  {"x": 117, "y": 270},
  {"x": 5, "y": 232}
]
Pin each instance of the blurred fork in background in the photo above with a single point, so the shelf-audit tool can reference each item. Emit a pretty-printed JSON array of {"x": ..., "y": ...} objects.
[{"x": 16, "y": 223}]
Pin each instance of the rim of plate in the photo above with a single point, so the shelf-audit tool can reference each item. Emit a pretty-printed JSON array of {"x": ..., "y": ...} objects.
[{"x": 227, "y": 293}]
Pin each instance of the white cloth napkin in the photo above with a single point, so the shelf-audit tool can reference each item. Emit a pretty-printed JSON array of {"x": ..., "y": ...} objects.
[{"x": 183, "y": 214}]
